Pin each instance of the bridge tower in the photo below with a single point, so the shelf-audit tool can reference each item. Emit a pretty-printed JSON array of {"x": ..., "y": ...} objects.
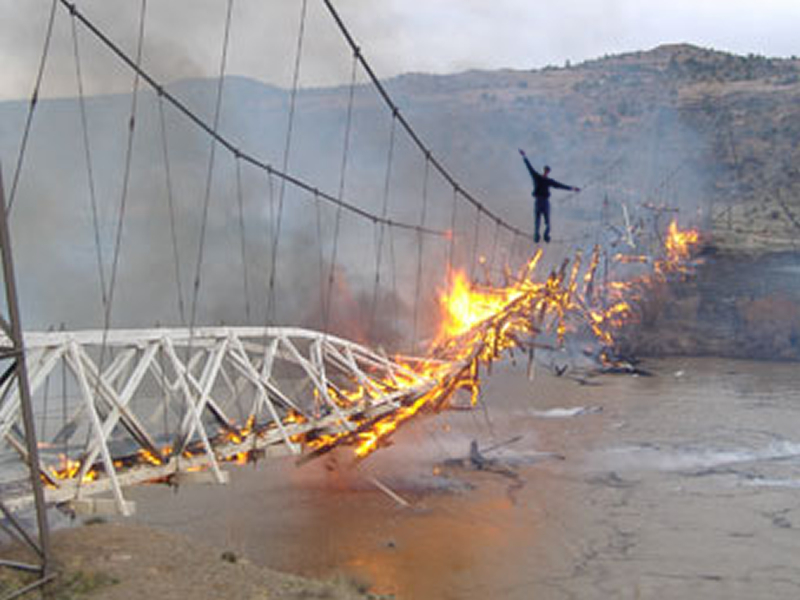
[{"x": 13, "y": 366}]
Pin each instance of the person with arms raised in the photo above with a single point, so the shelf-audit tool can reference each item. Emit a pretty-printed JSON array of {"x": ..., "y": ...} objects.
[{"x": 541, "y": 193}]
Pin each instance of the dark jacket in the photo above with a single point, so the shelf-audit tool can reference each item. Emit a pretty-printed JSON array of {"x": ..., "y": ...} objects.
[{"x": 542, "y": 184}]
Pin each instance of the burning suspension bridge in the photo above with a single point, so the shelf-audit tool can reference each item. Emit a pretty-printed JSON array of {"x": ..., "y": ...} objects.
[
  {"x": 177, "y": 401},
  {"x": 117, "y": 407}
]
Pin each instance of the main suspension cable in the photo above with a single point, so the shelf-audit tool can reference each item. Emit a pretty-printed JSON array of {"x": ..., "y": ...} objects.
[
  {"x": 225, "y": 142},
  {"x": 407, "y": 126}
]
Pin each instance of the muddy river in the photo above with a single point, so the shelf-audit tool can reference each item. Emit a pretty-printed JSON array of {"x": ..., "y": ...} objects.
[{"x": 682, "y": 484}]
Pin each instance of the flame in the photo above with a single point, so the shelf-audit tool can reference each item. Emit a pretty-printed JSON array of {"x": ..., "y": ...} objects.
[
  {"x": 70, "y": 469},
  {"x": 479, "y": 323},
  {"x": 240, "y": 458},
  {"x": 679, "y": 244},
  {"x": 151, "y": 458},
  {"x": 466, "y": 307}
]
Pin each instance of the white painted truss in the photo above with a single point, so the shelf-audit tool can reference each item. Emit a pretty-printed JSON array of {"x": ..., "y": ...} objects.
[{"x": 120, "y": 407}]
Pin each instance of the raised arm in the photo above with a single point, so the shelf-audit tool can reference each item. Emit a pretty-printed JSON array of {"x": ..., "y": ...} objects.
[{"x": 531, "y": 170}]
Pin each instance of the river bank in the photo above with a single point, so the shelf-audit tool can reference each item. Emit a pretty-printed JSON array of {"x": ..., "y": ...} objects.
[
  {"x": 679, "y": 484},
  {"x": 675, "y": 485},
  {"x": 127, "y": 561}
]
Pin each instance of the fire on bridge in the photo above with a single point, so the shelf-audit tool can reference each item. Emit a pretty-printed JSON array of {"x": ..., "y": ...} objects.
[
  {"x": 358, "y": 398},
  {"x": 481, "y": 322}
]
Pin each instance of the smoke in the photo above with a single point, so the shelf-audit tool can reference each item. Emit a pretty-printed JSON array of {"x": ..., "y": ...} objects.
[
  {"x": 183, "y": 39},
  {"x": 53, "y": 221},
  {"x": 599, "y": 131},
  {"x": 157, "y": 280}
]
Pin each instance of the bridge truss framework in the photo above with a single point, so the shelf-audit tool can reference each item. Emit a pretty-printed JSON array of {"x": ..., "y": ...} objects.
[{"x": 154, "y": 404}]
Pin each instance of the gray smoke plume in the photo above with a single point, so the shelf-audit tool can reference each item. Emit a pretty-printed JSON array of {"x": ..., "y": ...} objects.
[{"x": 628, "y": 148}]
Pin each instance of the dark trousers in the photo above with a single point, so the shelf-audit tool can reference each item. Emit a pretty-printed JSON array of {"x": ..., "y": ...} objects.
[{"x": 541, "y": 209}]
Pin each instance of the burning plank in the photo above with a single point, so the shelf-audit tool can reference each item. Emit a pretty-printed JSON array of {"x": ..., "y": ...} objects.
[{"x": 482, "y": 322}]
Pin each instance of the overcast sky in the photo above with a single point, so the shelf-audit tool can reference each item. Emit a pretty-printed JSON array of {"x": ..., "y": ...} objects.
[{"x": 184, "y": 36}]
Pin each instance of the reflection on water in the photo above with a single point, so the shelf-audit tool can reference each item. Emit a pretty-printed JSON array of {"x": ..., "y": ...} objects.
[
  {"x": 679, "y": 485},
  {"x": 431, "y": 548}
]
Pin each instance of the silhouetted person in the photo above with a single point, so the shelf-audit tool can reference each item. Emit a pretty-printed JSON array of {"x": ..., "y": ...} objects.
[{"x": 541, "y": 192}]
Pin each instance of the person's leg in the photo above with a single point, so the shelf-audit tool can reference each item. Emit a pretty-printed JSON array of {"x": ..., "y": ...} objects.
[
  {"x": 537, "y": 215},
  {"x": 546, "y": 215}
]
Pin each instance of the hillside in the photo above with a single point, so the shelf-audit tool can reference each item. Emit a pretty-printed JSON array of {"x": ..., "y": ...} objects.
[
  {"x": 710, "y": 137},
  {"x": 726, "y": 127}
]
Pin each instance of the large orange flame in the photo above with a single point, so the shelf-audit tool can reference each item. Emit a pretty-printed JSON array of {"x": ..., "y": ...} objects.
[
  {"x": 466, "y": 307},
  {"x": 479, "y": 323}
]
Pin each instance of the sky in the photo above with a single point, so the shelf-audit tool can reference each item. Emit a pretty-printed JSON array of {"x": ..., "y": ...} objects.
[{"x": 184, "y": 37}]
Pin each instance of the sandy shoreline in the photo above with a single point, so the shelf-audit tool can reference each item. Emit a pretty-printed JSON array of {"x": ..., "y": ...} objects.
[{"x": 123, "y": 561}]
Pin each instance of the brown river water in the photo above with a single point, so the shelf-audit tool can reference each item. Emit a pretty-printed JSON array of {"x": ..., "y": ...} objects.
[{"x": 683, "y": 484}]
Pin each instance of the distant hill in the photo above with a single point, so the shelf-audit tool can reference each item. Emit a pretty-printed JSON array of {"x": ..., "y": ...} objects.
[
  {"x": 690, "y": 126},
  {"x": 710, "y": 135}
]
